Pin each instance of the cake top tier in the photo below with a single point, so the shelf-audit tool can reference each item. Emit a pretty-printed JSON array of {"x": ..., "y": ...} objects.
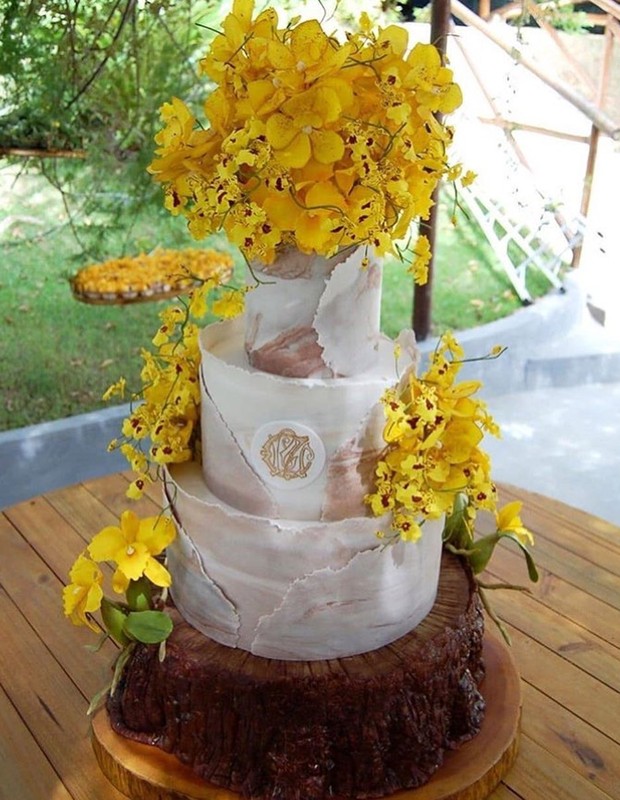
[{"x": 310, "y": 316}]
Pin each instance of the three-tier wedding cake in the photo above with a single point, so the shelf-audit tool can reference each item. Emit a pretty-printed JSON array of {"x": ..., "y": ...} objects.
[{"x": 319, "y": 638}]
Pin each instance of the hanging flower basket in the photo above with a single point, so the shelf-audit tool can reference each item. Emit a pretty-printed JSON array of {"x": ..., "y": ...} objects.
[{"x": 147, "y": 277}]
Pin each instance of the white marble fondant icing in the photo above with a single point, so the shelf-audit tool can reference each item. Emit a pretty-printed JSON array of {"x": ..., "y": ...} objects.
[
  {"x": 247, "y": 399},
  {"x": 230, "y": 475},
  {"x": 314, "y": 317},
  {"x": 379, "y": 596},
  {"x": 348, "y": 315},
  {"x": 277, "y": 553},
  {"x": 290, "y": 582},
  {"x": 351, "y": 469},
  {"x": 203, "y": 603}
]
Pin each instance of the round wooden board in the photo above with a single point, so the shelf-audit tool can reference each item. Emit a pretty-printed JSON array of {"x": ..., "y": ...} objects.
[{"x": 470, "y": 773}]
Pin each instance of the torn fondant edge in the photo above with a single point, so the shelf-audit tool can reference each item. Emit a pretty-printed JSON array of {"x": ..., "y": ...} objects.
[
  {"x": 312, "y": 316},
  {"x": 324, "y": 568}
]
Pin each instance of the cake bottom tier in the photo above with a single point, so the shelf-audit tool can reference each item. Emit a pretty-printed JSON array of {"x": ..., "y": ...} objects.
[{"x": 356, "y": 727}]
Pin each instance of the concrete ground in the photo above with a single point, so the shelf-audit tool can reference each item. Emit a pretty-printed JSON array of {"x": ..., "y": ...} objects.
[{"x": 562, "y": 442}]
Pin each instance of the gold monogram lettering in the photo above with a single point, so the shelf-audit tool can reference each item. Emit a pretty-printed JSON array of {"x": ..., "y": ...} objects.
[{"x": 287, "y": 454}]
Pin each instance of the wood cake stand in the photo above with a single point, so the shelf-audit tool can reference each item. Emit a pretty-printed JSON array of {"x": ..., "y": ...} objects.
[{"x": 471, "y": 772}]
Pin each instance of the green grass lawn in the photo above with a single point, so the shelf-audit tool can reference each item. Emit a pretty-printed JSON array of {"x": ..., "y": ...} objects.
[{"x": 58, "y": 355}]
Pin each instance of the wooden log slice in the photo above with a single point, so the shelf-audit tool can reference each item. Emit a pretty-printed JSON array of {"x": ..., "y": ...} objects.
[
  {"x": 470, "y": 772},
  {"x": 358, "y": 727}
]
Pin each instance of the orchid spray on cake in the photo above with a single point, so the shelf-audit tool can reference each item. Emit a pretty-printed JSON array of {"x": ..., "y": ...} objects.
[
  {"x": 316, "y": 153},
  {"x": 312, "y": 141}
]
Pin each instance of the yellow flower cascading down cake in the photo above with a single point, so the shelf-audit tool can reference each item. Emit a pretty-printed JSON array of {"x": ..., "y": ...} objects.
[{"x": 303, "y": 621}]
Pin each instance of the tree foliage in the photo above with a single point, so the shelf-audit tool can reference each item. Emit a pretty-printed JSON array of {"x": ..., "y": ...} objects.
[
  {"x": 76, "y": 74},
  {"x": 86, "y": 78}
]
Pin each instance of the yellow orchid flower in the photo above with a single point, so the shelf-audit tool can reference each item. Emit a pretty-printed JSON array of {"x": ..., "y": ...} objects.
[
  {"x": 132, "y": 546},
  {"x": 408, "y": 528},
  {"x": 84, "y": 594},
  {"x": 299, "y": 130},
  {"x": 431, "y": 80},
  {"x": 230, "y": 304},
  {"x": 433, "y": 430},
  {"x": 307, "y": 54},
  {"x": 508, "y": 520},
  {"x": 179, "y": 123}
]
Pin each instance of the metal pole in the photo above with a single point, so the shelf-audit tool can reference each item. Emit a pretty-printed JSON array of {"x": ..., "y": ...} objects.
[{"x": 422, "y": 296}]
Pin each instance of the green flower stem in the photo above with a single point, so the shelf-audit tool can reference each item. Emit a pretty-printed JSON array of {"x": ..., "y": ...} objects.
[
  {"x": 494, "y": 617},
  {"x": 512, "y": 586}
]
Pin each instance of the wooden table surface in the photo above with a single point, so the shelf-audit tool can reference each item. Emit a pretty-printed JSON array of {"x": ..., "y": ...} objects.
[{"x": 566, "y": 643}]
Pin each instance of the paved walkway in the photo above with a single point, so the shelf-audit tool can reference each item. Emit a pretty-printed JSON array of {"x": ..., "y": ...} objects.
[{"x": 562, "y": 442}]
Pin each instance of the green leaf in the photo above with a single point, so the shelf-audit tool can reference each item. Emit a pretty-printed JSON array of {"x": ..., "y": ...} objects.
[
  {"x": 531, "y": 566},
  {"x": 456, "y": 530},
  {"x": 148, "y": 627},
  {"x": 114, "y": 616},
  {"x": 98, "y": 700},
  {"x": 139, "y": 595},
  {"x": 482, "y": 551}
]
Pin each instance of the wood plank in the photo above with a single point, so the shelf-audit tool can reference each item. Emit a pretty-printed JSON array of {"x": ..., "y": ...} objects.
[
  {"x": 566, "y": 645},
  {"x": 606, "y": 533},
  {"x": 37, "y": 592},
  {"x": 555, "y": 536},
  {"x": 111, "y": 492},
  {"x": 550, "y": 553},
  {"x": 572, "y": 641},
  {"x": 55, "y": 539},
  {"x": 31, "y": 778},
  {"x": 575, "y": 539},
  {"x": 551, "y": 591},
  {"x": 570, "y": 568},
  {"x": 538, "y": 775},
  {"x": 51, "y": 706},
  {"x": 79, "y": 507},
  {"x": 502, "y": 792},
  {"x": 568, "y": 685},
  {"x": 577, "y": 744}
]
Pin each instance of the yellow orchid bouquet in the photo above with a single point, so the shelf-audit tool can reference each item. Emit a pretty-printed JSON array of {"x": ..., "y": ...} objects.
[
  {"x": 432, "y": 465},
  {"x": 162, "y": 428},
  {"x": 311, "y": 142},
  {"x": 163, "y": 424}
]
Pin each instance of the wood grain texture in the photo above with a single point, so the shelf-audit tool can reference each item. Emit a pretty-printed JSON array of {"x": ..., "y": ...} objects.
[
  {"x": 566, "y": 644},
  {"x": 470, "y": 773}
]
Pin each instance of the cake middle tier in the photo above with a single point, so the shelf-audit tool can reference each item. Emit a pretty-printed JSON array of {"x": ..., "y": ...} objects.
[{"x": 296, "y": 448}]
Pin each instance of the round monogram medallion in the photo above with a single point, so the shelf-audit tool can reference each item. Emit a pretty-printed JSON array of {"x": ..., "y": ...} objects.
[{"x": 287, "y": 454}]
